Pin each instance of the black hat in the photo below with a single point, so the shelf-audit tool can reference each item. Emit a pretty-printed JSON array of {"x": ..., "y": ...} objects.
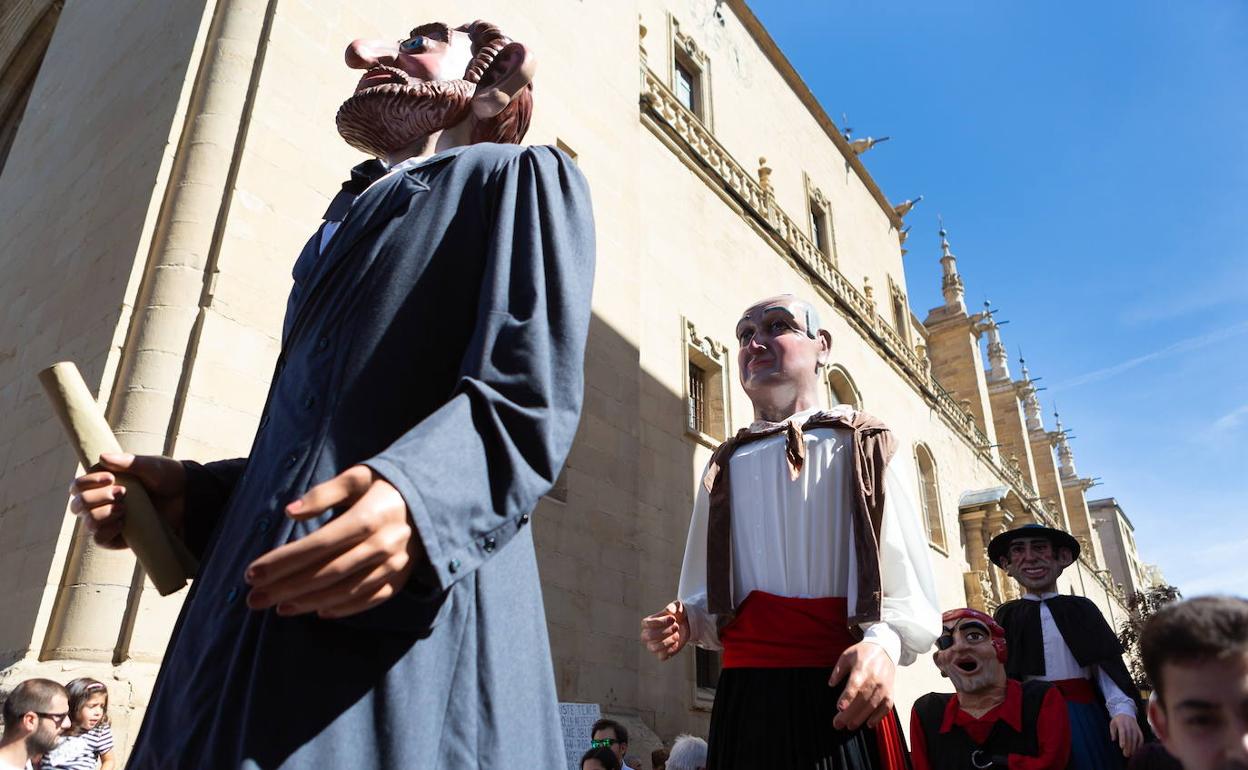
[{"x": 1001, "y": 543}]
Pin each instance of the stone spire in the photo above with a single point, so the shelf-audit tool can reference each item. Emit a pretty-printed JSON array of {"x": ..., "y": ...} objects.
[
  {"x": 998, "y": 364},
  {"x": 950, "y": 282},
  {"x": 1065, "y": 455},
  {"x": 1031, "y": 404}
]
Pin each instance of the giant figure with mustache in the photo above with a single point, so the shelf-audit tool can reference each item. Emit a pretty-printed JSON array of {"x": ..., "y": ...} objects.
[
  {"x": 368, "y": 595},
  {"x": 989, "y": 721}
]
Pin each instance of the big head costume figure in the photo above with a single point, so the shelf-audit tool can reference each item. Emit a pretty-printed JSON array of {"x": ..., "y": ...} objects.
[
  {"x": 990, "y": 721},
  {"x": 368, "y": 595},
  {"x": 1066, "y": 640},
  {"x": 804, "y": 564}
]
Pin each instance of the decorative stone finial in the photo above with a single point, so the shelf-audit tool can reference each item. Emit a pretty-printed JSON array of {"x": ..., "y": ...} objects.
[
  {"x": 641, "y": 35},
  {"x": 867, "y": 290},
  {"x": 1031, "y": 404},
  {"x": 764, "y": 175},
  {"x": 1065, "y": 455},
  {"x": 950, "y": 281},
  {"x": 998, "y": 363}
]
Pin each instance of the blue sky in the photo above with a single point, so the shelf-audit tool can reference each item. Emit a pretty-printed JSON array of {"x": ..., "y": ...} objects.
[{"x": 1091, "y": 164}]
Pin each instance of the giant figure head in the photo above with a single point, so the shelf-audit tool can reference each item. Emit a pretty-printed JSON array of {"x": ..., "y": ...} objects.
[
  {"x": 971, "y": 651},
  {"x": 1034, "y": 555},
  {"x": 438, "y": 78},
  {"x": 782, "y": 349}
]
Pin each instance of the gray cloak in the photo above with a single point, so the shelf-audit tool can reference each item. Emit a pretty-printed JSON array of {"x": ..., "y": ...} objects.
[{"x": 438, "y": 339}]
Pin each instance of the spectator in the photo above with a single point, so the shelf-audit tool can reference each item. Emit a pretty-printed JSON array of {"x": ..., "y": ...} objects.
[
  {"x": 688, "y": 753},
  {"x": 1196, "y": 655},
  {"x": 88, "y": 743},
  {"x": 600, "y": 758},
  {"x": 610, "y": 734},
  {"x": 34, "y": 715},
  {"x": 658, "y": 759}
]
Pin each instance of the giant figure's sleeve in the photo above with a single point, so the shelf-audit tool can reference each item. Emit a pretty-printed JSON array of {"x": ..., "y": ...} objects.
[
  {"x": 1052, "y": 737},
  {"x": 208, "y": 489},
  {"x": 703, "y": 626},
  {"x": 472, "y": 471},
  {"x": 910, "y": 608}
]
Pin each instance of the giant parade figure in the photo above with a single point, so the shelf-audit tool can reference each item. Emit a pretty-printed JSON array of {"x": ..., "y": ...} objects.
[
  {"x": 989, "y": 722},
  {"x": 1065, "y": 640},
  {"x": 368, "y": 595},
  {"x": 806, "y": 564}
]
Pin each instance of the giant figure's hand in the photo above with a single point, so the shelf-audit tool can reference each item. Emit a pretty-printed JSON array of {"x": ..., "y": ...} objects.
[
  {"x": 1125, "y": 731},
  {"x": 353, "y": 563},
  {"x": 665, "y": 633},
  {"x": 868, "y": 693},
  {"x": 100, "y": 501}
]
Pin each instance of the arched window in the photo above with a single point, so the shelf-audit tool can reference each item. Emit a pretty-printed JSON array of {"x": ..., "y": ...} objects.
[
  {"x": 841, "y": 388},
  {"x": 929, "y": 496}
]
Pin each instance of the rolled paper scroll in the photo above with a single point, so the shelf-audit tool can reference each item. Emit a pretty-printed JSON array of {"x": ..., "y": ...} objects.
[{"x": 163, "y": 555}]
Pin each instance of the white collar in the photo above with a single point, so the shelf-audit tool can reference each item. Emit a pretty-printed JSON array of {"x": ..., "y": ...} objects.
[
  {"x": 799, "y": 417},
  {"x": 1040, "y": 597}
]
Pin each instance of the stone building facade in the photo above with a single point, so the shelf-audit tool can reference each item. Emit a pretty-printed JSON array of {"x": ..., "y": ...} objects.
[
  {"x": 1122, "y": 558},
  {"x": 165, "y": 162}
]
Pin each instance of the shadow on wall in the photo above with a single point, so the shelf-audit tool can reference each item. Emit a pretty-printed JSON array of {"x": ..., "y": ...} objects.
[{"x": 610, "y": 550}]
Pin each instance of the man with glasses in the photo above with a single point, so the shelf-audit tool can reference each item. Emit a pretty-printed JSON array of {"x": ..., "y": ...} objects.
[
  {"x": 990, "y": 721},
  {"x": 35, "y": 713},
  {"x": 608, "y": 733}
]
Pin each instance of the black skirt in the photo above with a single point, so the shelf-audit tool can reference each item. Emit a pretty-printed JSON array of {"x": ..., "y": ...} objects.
[{"x": 781, "y": 719}]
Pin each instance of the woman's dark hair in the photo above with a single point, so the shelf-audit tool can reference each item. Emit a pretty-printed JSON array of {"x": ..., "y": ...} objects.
[
  {"x": 604, "y": 755},
  {"x": 80, "y": 691}
]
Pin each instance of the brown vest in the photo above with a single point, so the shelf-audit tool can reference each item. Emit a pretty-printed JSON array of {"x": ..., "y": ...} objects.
[{"x": 872, "y": 448}]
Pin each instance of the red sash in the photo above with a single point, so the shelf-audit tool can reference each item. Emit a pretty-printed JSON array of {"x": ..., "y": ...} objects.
[
  {"x": 772, "y": 631},
  {"x": 1078, "y": 690}
]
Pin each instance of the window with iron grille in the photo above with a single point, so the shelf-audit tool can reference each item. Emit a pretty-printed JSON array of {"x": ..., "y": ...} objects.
[
  {"x": 707, "y": 667},
  {"x": 706, "y": 388},
  {"x": 697, "y": 399}
]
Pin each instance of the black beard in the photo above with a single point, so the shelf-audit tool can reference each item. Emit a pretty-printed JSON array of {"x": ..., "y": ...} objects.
[{"x": 383, "y": 119}]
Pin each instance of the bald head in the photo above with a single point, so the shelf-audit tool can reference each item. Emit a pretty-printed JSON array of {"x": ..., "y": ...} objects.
[
  {"x": 794, "y": 305},
  {"x": 782, "y": 348}
]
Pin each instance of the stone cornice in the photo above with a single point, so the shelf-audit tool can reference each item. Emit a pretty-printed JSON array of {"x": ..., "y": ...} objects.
[{"x": 781, "y": 62}]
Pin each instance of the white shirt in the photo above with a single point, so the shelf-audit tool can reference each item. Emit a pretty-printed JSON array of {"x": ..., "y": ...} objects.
[
  {"x": 1060, "y": 663},
  {"x": 794, "y": 538}
]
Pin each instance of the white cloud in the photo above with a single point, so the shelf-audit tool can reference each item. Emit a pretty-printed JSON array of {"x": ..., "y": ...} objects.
[
  {"x": 1231, "y": 420},
  {"x": 1182, "y": 346}
]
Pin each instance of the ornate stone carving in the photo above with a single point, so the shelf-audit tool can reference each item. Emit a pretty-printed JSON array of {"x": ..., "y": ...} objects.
[
  {"x": 764, "y": 176},
  {"x": 689, "y": 46},
  {"x": 716, "y": 351}
]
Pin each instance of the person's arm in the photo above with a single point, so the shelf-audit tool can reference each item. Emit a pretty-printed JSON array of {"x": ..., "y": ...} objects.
[
  {"x": 918, "y": 743},
  {"x": 1124, "y": 727},
  {"x": 106, "y": 761},
  {"x": 1052, "y": 737},
  {"x": 910, "y": 607},
  {"x": 472, "y": 471},
  {"x": 208, "y": 489}
]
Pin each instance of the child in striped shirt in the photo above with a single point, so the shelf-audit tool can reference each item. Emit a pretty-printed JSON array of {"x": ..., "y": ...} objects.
[{"x": 88, "y": 743}]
